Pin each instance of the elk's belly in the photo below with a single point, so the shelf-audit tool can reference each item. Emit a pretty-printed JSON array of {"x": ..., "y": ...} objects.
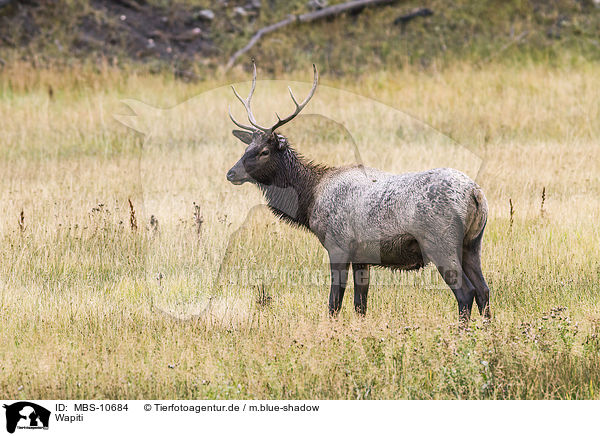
[{"x": 397, "y": 253}]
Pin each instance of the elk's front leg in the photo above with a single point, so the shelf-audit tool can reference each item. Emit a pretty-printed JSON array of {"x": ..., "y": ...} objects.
[
  {"x": 360, "y": 271},
  {"x": 339, "y": 278}
]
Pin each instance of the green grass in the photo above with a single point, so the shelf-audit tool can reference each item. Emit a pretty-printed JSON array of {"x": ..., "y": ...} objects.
[{"x": 511, "y": 32}]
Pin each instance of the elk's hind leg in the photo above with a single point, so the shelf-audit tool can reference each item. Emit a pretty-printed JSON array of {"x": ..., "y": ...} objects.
[
  {"x": 447, "y": 259},
  {"x": 471, "y": 264},
  {"x": 361, "y": 274},
  {"x": 463, "y": 289}
]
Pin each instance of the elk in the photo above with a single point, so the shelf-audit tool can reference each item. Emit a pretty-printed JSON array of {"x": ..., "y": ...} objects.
[{"x": 365, "y": 217}]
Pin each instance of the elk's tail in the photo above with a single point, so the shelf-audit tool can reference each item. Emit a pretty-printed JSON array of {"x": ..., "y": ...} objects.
[{"x": 478, "y": 213}]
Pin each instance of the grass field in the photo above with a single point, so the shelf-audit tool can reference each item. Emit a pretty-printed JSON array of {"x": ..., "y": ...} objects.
[{"x": 93, "y": 305}]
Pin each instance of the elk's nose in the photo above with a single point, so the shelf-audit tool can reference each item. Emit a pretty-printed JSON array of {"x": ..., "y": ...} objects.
[{"x": 231, "y": 175}]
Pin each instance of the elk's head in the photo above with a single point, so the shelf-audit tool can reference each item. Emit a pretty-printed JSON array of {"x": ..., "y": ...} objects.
[{"x": 264, "y": 155}]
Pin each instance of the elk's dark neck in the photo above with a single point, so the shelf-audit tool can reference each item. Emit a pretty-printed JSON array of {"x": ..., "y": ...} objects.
[{"x": 292, "y": 193}]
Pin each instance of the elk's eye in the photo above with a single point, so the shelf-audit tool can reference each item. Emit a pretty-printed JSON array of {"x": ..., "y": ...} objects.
[{"x": 265, "y": 152}]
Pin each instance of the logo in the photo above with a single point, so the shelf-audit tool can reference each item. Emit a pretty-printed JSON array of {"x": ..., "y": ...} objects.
[{"x": 26, "y": 415}]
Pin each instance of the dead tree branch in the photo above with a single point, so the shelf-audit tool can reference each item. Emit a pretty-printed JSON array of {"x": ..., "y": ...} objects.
[{"x": 305, "y": 18}]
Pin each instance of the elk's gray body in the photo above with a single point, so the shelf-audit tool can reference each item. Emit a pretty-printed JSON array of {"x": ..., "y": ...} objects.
[
  {"x": 377, "y": 217},
  {"x": 365, "y": 217}
]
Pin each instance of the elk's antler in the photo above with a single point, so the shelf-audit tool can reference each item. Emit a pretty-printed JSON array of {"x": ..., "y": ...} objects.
[
  {"x": 246, "y": 104},
  {"x": 280, "y": 122}
]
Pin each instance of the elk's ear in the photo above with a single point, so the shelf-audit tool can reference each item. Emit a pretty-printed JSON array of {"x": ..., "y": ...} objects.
[
  {"x": 282, "y": 143},
  {"x": 242, "y": 135}
]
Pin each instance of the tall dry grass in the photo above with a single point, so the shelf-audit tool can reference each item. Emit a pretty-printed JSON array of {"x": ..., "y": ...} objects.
[{"x": 216, "y": 299}]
